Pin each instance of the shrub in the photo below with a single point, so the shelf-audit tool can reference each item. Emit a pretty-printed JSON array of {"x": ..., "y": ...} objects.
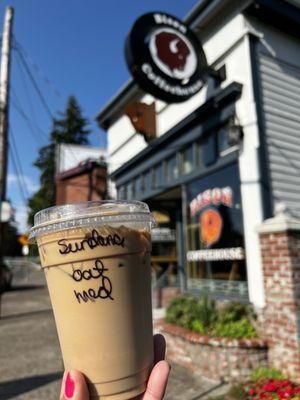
[
  {"x": 182, "y": 312},
  {"x": 202, "y": 316},
  {"x": 234, "y": 329},
  {"x": 235, "y": 311},
  {"x": 266, "y": 373}
]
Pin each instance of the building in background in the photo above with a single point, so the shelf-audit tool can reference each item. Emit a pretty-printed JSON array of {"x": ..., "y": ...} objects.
[
  {"x": 81, "y": 174},
  {"x": 222, "y": 160}
]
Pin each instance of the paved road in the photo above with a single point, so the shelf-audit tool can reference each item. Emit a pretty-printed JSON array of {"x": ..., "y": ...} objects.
[{"x": 31, "y": 364}]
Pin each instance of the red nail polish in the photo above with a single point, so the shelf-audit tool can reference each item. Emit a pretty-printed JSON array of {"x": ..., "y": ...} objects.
[{"x": 69, "y": 386}]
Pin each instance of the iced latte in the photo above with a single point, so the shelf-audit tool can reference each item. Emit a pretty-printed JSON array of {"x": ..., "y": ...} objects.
[{"x": 96, "y": 259}]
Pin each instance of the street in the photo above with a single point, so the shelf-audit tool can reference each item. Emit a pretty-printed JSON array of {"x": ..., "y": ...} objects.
[{"x": 31, "y": 365}]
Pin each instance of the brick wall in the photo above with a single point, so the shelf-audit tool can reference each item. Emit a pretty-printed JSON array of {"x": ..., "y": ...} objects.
[
  {"x": 280, "y": 253},
  {"x": 82, "y": 184},
  {"x": 214, "y": 358}
]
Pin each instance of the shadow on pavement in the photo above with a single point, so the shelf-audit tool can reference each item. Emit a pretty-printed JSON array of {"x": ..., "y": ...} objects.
[
  {"x": 16, "y": 387},
  {"x": 25, "y": 314},
  {"x": 204, "y": 394}
]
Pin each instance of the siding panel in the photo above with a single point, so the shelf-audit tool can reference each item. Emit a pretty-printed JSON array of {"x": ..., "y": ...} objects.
[{"x": 280, "y": 89}]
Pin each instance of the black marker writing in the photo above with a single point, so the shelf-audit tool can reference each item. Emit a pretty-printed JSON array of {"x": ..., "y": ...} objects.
[
  {"x": 94, "y": 240},
  {"x": 105, "y": 289}
]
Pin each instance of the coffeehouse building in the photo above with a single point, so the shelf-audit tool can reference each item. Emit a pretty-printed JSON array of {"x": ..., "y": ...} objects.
[{"x": 216, "y": 154}]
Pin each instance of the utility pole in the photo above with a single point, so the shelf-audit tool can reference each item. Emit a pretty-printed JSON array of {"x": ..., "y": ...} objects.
[{"x": 4, "y": 102}]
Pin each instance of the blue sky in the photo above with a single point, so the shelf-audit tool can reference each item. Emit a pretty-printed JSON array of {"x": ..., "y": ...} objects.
[{"x": 77, "y": 45}]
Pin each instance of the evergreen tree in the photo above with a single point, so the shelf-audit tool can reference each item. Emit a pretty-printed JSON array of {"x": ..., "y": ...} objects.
[{"x": 71, "y": 128}]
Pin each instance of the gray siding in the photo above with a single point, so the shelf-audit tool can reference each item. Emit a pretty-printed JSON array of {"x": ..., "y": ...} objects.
[{"x": 280, "y": 89}]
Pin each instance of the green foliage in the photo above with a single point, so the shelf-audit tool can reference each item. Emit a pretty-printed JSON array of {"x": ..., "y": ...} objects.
[
  {"x": 191, "y": 313},
  {"x": 70, "y": 128},
  {"x": 266, "y": 373},
  {"x": 182, "y": 312},
  {"x": 234, "y": 329},
  {"x": 235, "y": 311},
  {"x": 234, "y": 320},
  {"x": 202, "y": 316}
]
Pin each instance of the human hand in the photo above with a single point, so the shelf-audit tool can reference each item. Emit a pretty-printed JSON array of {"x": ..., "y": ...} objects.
[{"x": 74, "y": 386}]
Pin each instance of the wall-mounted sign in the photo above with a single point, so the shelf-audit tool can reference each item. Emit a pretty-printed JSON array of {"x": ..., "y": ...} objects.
[
  {"x": 229, "y": 253},
  {"x": 165, "y": 57},
  {"x": 215, "y": 196},
  {"x": 211, "y": 224}
]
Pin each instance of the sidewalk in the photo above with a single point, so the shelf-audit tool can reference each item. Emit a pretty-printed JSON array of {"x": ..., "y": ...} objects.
[{"x": 31, "y": 366}]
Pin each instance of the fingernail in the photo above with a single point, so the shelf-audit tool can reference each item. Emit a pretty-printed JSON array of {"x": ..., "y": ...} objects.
[{"x": 69, "y": 386}]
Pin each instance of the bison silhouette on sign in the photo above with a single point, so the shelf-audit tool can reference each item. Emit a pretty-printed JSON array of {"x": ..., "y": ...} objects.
[{"x": 172, "y": 50}]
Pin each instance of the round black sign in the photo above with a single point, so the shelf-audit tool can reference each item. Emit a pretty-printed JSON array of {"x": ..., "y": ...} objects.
[{"x": 165, "y": 57}]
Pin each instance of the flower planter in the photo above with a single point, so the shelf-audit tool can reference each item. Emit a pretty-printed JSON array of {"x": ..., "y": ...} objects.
[{"x": 214, "y": 358}]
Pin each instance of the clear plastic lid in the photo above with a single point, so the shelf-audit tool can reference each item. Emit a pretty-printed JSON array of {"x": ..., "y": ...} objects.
[{"x": 89, "y": 213}]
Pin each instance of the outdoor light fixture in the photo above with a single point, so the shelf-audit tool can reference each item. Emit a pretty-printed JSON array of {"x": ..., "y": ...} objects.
[{"x": 234, "y": 133}]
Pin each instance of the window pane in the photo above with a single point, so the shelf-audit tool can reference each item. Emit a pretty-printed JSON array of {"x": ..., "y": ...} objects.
[
  {"x": 199, "y": 158},
  {"x": 138, "y": 185},
  {"x": 209, "y": 150},
  {"x": 187, "y": 160},
  {"x": 133, "y": 189},
  {"x": 158, "y": 176},
  {"x": 172, "y": 168},
  {"x": 148, "y": 180},
  {"x": 129, "y": 191},
  {"x": 122, "y": 192}
]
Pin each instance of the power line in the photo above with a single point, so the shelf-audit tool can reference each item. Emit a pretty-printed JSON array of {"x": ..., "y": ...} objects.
[
  {"x": 18, "y": 161},
  {"x": 39, "y": 71},
  {"x": 20, "y": 185},
  {"x": 33, "y": 81},
  {"x": 38, "y": 134},
  {"x": 25, "y": 87}
]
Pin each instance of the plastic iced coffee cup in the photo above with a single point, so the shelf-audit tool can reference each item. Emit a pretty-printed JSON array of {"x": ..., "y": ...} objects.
[{"x": 96, "y": 259}]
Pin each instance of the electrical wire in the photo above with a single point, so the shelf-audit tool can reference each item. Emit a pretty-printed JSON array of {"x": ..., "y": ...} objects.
[
  {"x": 25, "y": 87},
  {"x": 18, "y": 161},
  {"x": 39, "y": 70},
  {"x": 19, "y": 179},
  {"x": 37, "y": 133},
  {"x": 33, "y": 81}
]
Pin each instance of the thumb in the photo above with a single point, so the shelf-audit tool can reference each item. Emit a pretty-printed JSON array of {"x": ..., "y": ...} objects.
[{"x": 74, "y": 387}]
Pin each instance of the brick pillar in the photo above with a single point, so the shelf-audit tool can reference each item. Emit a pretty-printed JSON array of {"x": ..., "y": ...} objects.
[{"x": 280, "y": 251}]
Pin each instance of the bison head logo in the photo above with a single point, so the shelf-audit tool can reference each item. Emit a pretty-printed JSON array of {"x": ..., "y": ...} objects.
[
  {"x": 211, "y": 224},
  {"x": 173, "y": 54}
]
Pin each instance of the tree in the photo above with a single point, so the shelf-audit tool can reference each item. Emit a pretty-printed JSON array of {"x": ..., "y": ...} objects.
[{"x": 71, "y": 128}]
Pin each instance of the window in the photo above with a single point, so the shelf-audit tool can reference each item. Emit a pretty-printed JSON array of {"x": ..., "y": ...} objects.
[
  {"x": 148, "y": 180},
  {"x": 224, "y": 144},
  {"x": 121, "y": 192},
  {"x": 187, "y": 158},
  {"x": 129, "y": 191},
  {"x": 209, "y": 149},
  {"x": 138, "y": 185},
  {"x": 215, "y": 234},
  {"x": 199, "y": 158},
  {"x": 158, "y": 175},
  {"x": 133, "y": 188},
  {"x": 172, "y": 168}
]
